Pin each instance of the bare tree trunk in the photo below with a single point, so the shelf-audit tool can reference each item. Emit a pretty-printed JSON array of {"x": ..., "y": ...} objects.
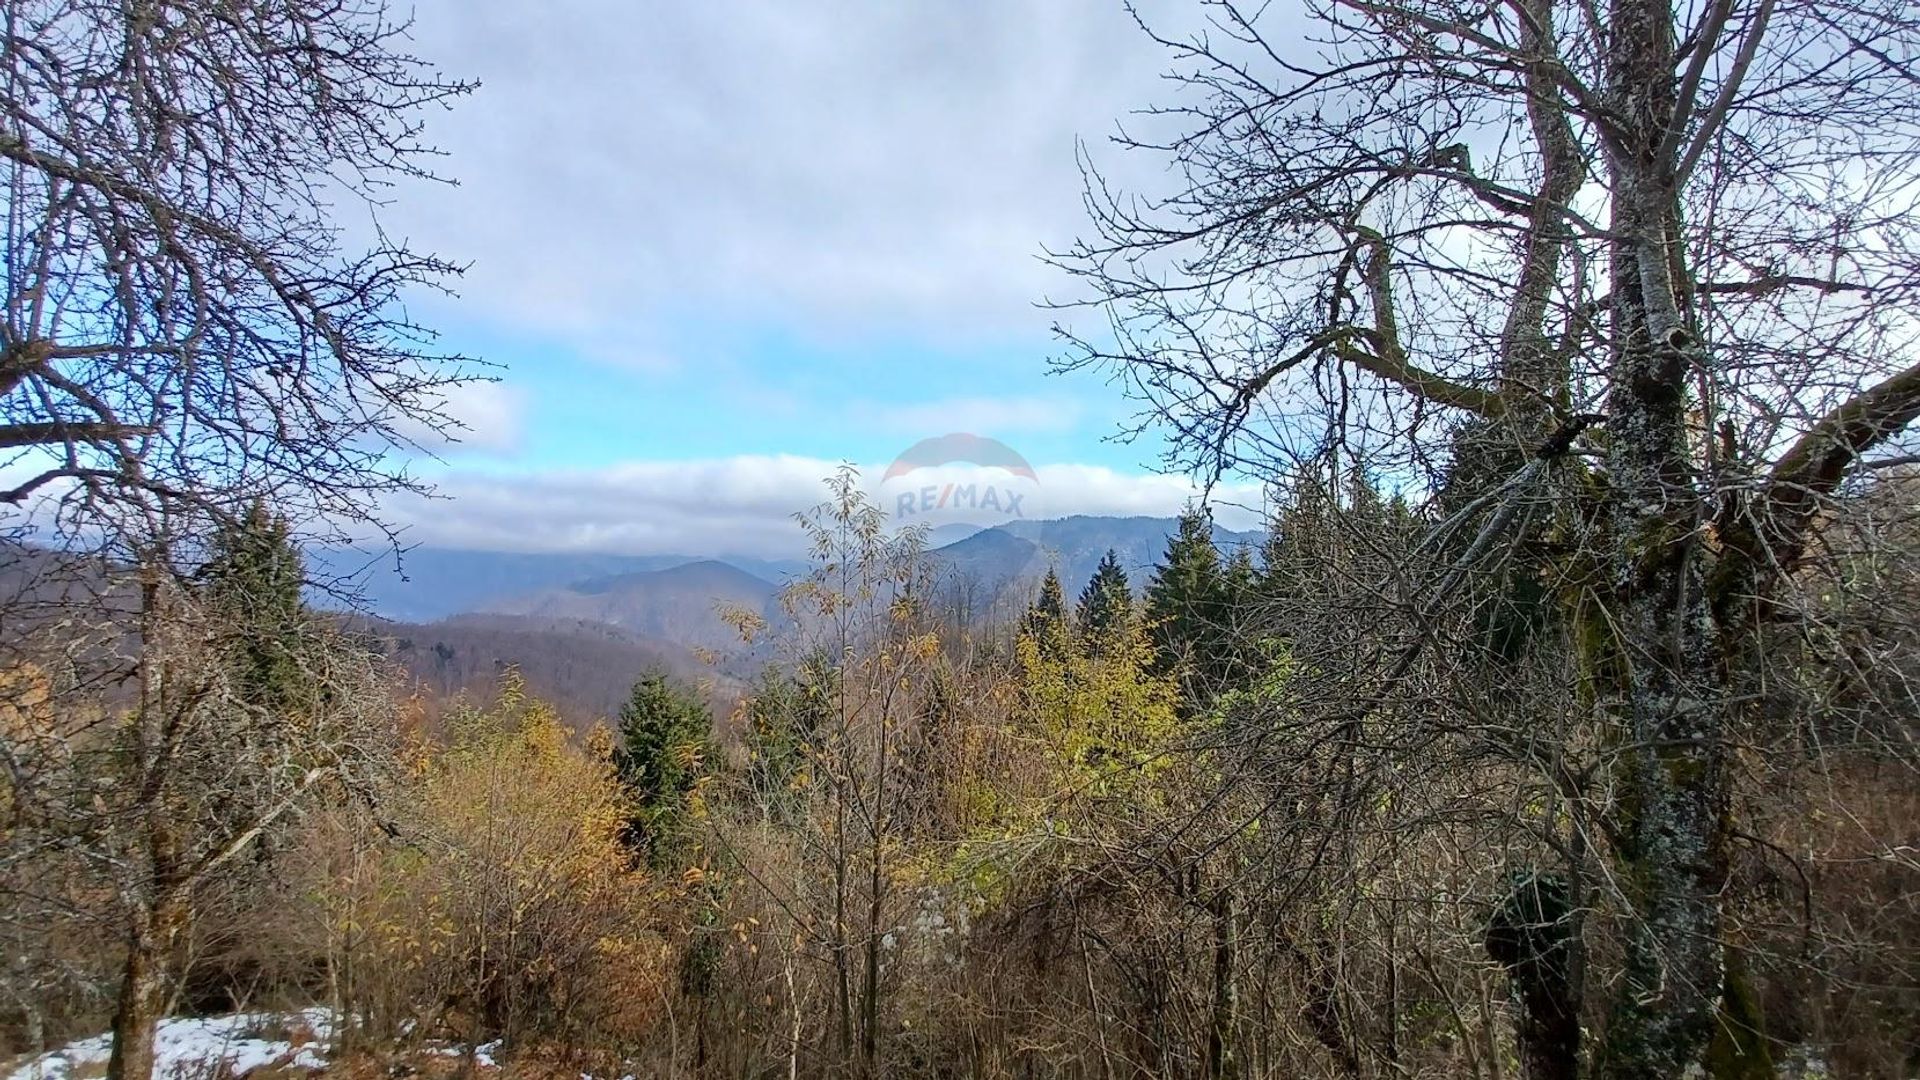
[
  {"x": 876, "y": 894},
  {"x": 1220, "y": 1056},
  {"x": 843, "y": 978},
  {"x": 1321, "y": 1008},
  {"x": 1393, "y": 987},
  {"x": 143, "y": 990},
  {"x": 1668, "y": 680},
  {"x": 155, "y": 916}
]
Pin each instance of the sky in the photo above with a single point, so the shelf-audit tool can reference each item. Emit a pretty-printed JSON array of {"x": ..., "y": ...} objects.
[{"x": 719, "y": 248}]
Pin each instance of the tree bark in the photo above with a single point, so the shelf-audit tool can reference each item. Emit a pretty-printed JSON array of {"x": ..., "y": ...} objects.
[
  {"x": 876, "y": 895},
  {"x": 156, "y": 914},
  {"x": 143, "y": 990},
  {"x": 1666, "y": 678}
]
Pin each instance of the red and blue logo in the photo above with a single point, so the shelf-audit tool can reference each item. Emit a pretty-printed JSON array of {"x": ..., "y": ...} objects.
[{"x": 959, "y": 476}]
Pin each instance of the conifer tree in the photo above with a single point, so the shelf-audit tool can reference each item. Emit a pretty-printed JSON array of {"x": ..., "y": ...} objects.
[
  {"x": 1186, "y": 607},
  {"x": 1240, "y": 578},
  {"x": 664, "y": 734},
  {"x": 1240, "y": 616},
  {"x": 253, "y": 581},
  {"x": 1294, "y": 540},
  {"x": 1106, "y": 604},
  {"x": 1046, "y": 619}
]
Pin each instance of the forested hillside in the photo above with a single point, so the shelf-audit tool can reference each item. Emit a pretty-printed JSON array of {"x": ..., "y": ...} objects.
[
  {"x": 1557, "y": 720},
  {"x": 583, "y": 669}
]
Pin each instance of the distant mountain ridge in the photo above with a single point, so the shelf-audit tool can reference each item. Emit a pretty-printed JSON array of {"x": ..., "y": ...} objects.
[
  {"x": 988, "y": 572},
  {"x": 581, "y": 628},
  {"x": 426, "y": 583},
  {"x": 679, "y": 604},
  {"x": 995, "y": 572}
]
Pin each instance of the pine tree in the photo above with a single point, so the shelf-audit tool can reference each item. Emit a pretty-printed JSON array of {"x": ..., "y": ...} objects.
[
  {"x": 1186, "y": 608},
  {"x": 665, "y": 731},
  {"x": 1046, "y": 620},
  {"x": 1240, "y": 578},
  {"x": 1106, "y": 604},
  {"x": 1295, "y": 541},
  {"x": 1240, "y": 656}
]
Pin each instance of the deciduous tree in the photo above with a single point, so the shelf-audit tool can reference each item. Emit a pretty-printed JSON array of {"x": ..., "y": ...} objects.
[
  {"x": 189, "y": 319},
  {"x": 1661, "y": 256}
]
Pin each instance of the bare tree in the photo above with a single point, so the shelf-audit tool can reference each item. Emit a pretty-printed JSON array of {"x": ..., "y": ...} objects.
[
  {"x": 186, "y": 322},
  {"x": 194, "y": 323},
  {"x": 835, "y": 773},
  {"x": 151, "y": 807},
  {"x": 1651, "y": 266}
]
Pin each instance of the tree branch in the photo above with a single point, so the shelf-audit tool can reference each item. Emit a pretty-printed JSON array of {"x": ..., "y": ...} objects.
[
  {"x": 1819, "y": 461},
  {"x": 57, "y": 431},
  {"x": 1388, "y": 359}
]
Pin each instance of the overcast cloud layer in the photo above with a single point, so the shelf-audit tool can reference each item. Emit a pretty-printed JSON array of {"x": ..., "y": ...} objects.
[
  {"x": 746, "y": 505},
  {"x": 832, "y": 163}
]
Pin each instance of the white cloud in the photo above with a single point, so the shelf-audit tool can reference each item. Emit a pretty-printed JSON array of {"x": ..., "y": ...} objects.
[
  {"x": 1096, "y": 489},
  {"x": 491, "y": 418},
  {"x": 737, "y": 505},
  {"x": 818, "y": 163},
  {"x": 972, "y": 415}
]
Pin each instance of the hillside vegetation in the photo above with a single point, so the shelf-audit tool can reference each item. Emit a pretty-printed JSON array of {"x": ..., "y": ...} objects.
[{"x": 1559, "y": 722}]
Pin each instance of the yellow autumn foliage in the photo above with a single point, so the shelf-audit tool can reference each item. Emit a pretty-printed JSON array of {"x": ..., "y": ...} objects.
[
  {"x": 516, "y": 911},
  {"x": 1105, "y": 722},
  {"x": 1086, "y": 750}
]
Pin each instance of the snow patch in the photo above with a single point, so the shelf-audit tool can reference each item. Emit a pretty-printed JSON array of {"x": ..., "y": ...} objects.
[{"x": 188, "y": 1049}]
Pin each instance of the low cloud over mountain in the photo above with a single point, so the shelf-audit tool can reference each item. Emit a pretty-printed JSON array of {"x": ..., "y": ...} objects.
[{"x": 741, "y": 505}]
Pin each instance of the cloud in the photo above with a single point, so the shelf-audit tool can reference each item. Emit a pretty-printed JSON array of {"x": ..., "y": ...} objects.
[
  {"x": 973, "y": 415},
  {"x": 736, "y": 505},
  {"x": 1098, "y": 490},
  {"x": 491, "y": 418},
  {"x": 816, "y": 163}
]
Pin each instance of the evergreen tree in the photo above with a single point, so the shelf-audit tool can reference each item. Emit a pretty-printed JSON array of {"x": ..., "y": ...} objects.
[
  {"x": 665, "y": 731},
  {"x": 1106, "y": 604},
  {"x": 253, "y": 583},
  {"x": 1240, "y": 579},
  {"x": 1295, "y": 538},
  {"x": 1186, "y": 608},
  {"x": 1046, "y": 620},
  {"x": 1241, "y": 619}
]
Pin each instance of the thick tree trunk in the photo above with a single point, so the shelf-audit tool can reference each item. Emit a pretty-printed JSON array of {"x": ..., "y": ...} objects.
[
  {"x": 143, "y": 991},
  {"x": 158, "y": 914},
  {"x": 1669, "y": 700},
  {"x": 1665, "y": 676}
]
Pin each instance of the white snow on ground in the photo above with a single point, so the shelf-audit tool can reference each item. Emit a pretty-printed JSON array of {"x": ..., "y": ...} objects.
[{"x": 190, "y": 1049}]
